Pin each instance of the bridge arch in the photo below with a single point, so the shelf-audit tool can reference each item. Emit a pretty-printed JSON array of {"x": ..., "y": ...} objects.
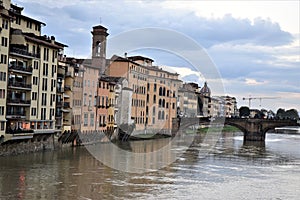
[{"x": 240, "y": 127}]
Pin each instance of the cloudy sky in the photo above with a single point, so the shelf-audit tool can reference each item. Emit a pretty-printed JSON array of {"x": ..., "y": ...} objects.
[{"x": 254, "y": 45}]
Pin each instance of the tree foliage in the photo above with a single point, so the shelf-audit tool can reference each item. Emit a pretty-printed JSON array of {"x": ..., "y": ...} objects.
[
  {"x": 244, "y": 111},
  {"x": 289, "y": 114}
]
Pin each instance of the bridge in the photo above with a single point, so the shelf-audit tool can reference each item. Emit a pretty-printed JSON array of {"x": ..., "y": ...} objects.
[{"x": 253, "y": 129}]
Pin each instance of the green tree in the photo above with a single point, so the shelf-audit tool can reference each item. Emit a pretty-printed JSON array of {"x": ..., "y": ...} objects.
[
  {"x": 244, "y": 111},
  {"x": 292, "y": 114},
  {"x": 280, "y": 113}
]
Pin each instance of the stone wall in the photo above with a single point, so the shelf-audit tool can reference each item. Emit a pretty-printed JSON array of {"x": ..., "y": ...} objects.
[{"x": 36, "y": 144}]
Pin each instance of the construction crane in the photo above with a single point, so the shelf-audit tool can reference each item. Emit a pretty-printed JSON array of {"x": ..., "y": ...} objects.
[{"x": 260, "y": 99}]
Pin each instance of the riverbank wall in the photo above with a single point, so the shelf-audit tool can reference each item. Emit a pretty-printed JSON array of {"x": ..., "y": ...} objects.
[{"x": 36, "y": 144}]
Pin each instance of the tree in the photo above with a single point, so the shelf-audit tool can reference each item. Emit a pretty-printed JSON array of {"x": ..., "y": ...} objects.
[
  {"x": 292, "y": 114},
  {"x": 244, "y": 111},
  {"x": 280, "y": 113}
]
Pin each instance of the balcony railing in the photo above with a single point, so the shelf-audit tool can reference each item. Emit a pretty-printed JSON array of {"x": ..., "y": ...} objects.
[
  {"x": 18, "y": 131},
  {"x": 60, "y": 89},
  {"x": 24, "y": 52},
  {"x": 20, "y": 68},
  {"x": 16, "y": 113},
  {"x": 18, "y": 101},
  {"x": 19, "y": 84},
  {"x": 67, "y": 88}
]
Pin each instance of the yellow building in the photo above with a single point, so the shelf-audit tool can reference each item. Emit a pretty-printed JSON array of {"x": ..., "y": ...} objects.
[{"x": 31, "y": 74}]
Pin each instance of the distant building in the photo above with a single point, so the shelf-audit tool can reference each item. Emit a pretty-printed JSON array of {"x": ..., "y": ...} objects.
[
  {"x": 230, "y": 106},
  {"x": 188, "y": 100}
]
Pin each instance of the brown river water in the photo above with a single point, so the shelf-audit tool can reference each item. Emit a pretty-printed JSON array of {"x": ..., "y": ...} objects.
[{"x": 230, "y": 170}]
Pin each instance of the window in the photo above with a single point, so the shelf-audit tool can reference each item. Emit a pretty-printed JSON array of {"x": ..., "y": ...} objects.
[
  {"x": 98, "y": 49},
  {"x": 2, "y": 93},
  {"x": 44, "y": 99},
  {"x": 33, "y": 111},
  {"x": 53, "y": 70},
  {"x": 3, "y": 59},
  {"x": 154, "y": 99},
  {"x": 51, "y": 114},
  {"x": 4, "y": 41},
  {"x": 1, "y": 110},
  {"x": 44, "y": 85},
  {"x": 35, "y": 80},
  {"x": 52, "y": 99},
  {"x": 35, "y": 64},
  {"x": 4, "y": 23},
  {"x": 18, "y": 20},
  {"x": 85, "y": 121},
  {"x": 2, "y": 76},
  {"x": 53, "y": 84},
  {"x": 2, "y": 124},
  {"x": 45, "y": 69},
  {"x": 43, "y": 114},
  {"x": 34, "y": 96},
  {"x": 46, "y": 54},
  {"x": 37, "y": 27},
  {"x": 29, "y": 24},
  {"x": 92, "y": 119}
]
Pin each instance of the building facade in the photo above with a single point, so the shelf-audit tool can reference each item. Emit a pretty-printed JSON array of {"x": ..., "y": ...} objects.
[
  {"x": 29, "y": 68},
  {"x": 155, "y": 92}
]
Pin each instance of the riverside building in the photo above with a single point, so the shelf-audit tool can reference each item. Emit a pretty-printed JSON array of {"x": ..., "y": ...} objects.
[
  {"x": 28, "y": 73},
  {"x": 155, "y": 92}
]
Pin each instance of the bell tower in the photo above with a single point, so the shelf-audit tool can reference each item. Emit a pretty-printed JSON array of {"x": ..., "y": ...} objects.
[{"x": 99, "y": 48}]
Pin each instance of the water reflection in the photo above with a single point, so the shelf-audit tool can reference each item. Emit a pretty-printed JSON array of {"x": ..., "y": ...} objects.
[{"x": 229, "y": 171}]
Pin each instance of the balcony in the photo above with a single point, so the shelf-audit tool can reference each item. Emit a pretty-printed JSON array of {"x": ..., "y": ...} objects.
[
  {"x": 69, "y": 74},
  {"x": 18, "y": 131},
  {"x": 20, "y": 69},
  {"x": 16, "y": 114},
  {"x": 68, "y": 88},
  {"x": 19, "y": 85},
  {"x": 62, "y": 76},
  {"x": 59, "y": 103},
  {"x": 60, "y": 90},
  {"x": 24, "y": 53},
  {"x": 67, "y": 105},
  {"x": 58, "y": 115},
  {"x": 19, "y": 102}
]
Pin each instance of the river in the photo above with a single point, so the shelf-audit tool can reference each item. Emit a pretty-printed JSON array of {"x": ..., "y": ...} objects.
[{"x": 230, "y": 170}]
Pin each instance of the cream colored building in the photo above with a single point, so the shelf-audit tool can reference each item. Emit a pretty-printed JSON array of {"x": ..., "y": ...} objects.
[
  {"x": 31, "y": 75},
  {"x": 188, "y": 100}
]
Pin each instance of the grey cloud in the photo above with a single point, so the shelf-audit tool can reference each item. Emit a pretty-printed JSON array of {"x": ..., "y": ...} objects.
[{"x": 122, "y": 16}]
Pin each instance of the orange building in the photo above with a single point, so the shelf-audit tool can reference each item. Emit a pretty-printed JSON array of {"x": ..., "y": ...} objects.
[{"x": 154, "y": 96}]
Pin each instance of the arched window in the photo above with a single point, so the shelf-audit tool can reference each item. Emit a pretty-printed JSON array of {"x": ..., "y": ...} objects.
[
  {"x": 159, "y": 102},
  {"x": 159, "y": 115},
  {"x": 160, "y": 91},
  {"x": 163, "y": 115},
  {"x": 164, "y": 92},
  {"x": 163, "y": 103},
  {"x": 98, "y": 48}
]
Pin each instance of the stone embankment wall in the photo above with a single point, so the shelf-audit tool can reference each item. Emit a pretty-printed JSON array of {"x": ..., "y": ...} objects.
[{"x": 35, "y": 144}]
